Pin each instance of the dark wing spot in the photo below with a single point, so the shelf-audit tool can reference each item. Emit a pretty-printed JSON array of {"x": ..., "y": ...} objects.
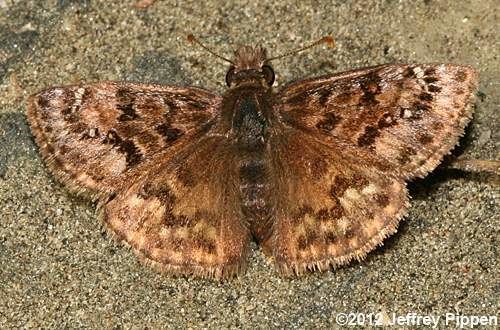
[
  {"x": 331, "y": 238},
  {"x": 402, "y": 112},
  {"x": 368, "y": 137},
  {"x": 171, "y": 220},
  {"x": 350, "y": 233},
  {"x": 68, "y": 97},
  {"x": 127, "y": 147},
  {"x": 198, "y": 104},
  {"x": 204, "y": 243},
  {"x": 132, "y": 154},
  {"x": 437, "y": 126},
  {"x": 430, "y": 71},
  {"x": 371, "y": 88},
  {"x": 337, "y": 211},
  {"x": 405, "y": 155},
  {"x": 403, "y": 158},
  {"x": 421, "y": 107},
  {"x": 79, "y": 128},
  {"x": 434, "y": 89},
  {"x": 172, "y": 106},
  {"x": 425, "y": 138},
  {"x": 174, "y": 102},
  {"x": 125, "y": 103},
  {"x": 421, "y": 162},
  {"x": 339, "y": 186},
  {"x": 323, "y": 215},
  {"x": 170, "y": 134},
  {"x": 302, "y": 243},
  {"x": 88, "y": 93},
  {"x": 64, "y": 149},
  {"x": 333, "y": 213},
  {"x": 328, "y": 123},
  {"x": 426, "y": 97},
  {"x": 409, "y": 73},
  {"x": 303, "y": 210},
  {"x": 298, "y": 99},
  {"x": 112, "y": 138},
  {"x": 382, "y": 200},
  {"x": 162, "y": 192},
  {"x": 128, "y": 112},
  {"x": 176, "y": 244},
  {"x": 307, "y": 240},
  {"x": 430, "y": 80},
  {"x": 324, "y": 96},
  {"x": 341, "y": 183},
  {"x": 47, "y": 129},
  {"x": 460, "y": 76},
  {"x": 43, "y": 101}
]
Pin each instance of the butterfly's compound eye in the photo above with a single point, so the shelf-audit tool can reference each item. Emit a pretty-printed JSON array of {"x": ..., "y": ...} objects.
[
  {"x": 268, "y": 74},
  {"x": 230, "y": 75}
]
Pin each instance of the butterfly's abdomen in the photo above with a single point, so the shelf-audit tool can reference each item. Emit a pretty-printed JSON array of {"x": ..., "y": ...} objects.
[{"x": 255, "y": 193}]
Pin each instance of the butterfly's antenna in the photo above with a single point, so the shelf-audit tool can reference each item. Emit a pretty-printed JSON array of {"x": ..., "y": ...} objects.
[
  {"x": 325, "y": 40},
  {"x": 191, "y": 38}
]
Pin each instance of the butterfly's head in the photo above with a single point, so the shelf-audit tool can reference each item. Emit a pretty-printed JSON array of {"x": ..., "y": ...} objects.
[
  {"x": 249, "y": 64},
  {"x": 252, "y": 63}
]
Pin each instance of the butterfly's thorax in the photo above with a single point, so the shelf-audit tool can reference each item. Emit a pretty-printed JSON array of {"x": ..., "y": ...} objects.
[{"x": 247, "y": 110}]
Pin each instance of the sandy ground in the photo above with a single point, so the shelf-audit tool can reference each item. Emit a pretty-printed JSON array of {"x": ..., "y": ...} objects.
[{"x": 59, "y": 270}]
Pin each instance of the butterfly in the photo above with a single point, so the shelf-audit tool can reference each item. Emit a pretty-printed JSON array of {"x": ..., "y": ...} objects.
[{"x": 315, "y": 172}]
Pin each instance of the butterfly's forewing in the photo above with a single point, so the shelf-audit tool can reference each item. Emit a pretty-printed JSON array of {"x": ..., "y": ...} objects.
[
  {"x": 408, "y": 115},
  {"x": 92, "y": 134},
  {"x": 348, "y": 143}
]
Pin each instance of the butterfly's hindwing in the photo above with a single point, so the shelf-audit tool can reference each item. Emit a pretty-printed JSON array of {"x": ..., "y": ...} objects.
[
  {"x": 331, "y": 206},
  {"x": 179, "y": 218}
]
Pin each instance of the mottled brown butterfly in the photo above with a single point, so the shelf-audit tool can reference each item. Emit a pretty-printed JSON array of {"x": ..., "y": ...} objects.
[{"x": 315, "y": 172}]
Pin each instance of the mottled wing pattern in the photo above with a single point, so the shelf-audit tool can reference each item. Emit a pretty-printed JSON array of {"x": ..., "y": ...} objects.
[
  {"x": 146, "y": 148},
  {"x": 169, "y": 177},
  {"x": 408, "y": 115},
  {"x": 349, "y": 143},
  {"x": 332, "y": 207},
  {"x": 183, "y": 215},
  {"x": 91, "y": 134}
]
